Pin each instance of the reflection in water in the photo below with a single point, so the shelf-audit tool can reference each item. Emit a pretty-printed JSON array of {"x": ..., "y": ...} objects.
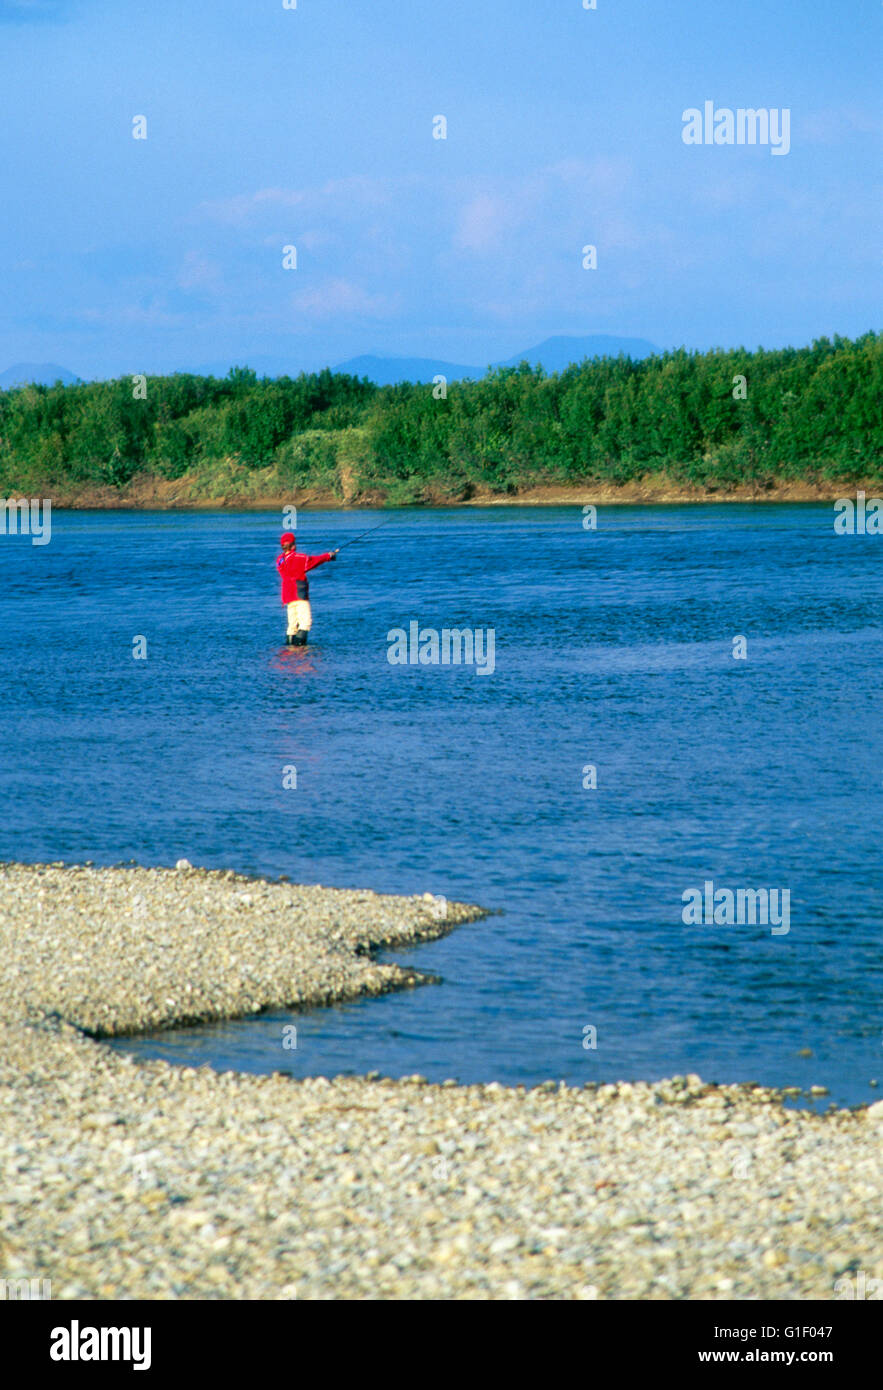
[{"x": 296, "y": 661}]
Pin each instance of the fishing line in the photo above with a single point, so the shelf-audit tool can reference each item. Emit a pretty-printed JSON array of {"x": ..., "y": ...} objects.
[{"x": 365, "y": 533}]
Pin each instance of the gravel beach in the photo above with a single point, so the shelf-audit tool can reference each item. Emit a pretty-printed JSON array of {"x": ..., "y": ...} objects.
[{"x": 125, "y": 1179}]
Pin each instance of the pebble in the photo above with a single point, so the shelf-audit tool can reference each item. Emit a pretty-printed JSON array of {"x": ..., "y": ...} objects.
[{"x": 138, "y": 1179}]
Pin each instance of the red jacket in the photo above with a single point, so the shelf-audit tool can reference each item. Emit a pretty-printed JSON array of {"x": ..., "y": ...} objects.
[{"x": 293, "y": 569}]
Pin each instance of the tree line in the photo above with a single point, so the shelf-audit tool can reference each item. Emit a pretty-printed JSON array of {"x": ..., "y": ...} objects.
[{"x": 718, "y": 418}]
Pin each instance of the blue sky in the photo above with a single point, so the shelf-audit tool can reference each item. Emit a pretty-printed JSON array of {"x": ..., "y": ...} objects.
[{"x": 313, "y": 127}]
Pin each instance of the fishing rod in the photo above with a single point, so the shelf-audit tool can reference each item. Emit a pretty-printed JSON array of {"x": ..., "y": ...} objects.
[{"x": 365, "y": 533}]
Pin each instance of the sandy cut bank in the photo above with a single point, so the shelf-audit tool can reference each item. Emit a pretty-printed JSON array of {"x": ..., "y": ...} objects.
[
  {"x": 129, "y": 1179},
  {"x": 250, "y": 493}
]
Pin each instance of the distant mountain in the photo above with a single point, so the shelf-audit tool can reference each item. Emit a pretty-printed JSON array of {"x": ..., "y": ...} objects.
[
  {"x": 553, "y": 355},
  {"x": 386, "y": 371},
  {"x": 35, "y": 373}
]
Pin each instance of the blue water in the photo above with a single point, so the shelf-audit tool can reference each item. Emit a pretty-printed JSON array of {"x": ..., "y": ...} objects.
[{"x": 612, "y": 648}]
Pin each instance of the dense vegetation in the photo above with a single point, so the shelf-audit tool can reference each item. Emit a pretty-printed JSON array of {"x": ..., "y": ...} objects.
[{"x": 809, "y": 413}]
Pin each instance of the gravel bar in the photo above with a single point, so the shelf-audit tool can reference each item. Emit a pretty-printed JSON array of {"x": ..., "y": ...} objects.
[{"x": 129, "y": 1179}]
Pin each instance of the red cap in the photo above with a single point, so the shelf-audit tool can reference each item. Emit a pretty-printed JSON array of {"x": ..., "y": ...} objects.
[{"x": 287, "y": 538}]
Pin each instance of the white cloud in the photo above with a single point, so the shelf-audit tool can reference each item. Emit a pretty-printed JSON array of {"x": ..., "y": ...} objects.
[
  {"x": 340, "y": 296},
  {"x": 199, "y": 273},
  {"x": 341, "y": 196},
  {"x": 482, "y": 224},
  {"x": 835, "y": 125}
]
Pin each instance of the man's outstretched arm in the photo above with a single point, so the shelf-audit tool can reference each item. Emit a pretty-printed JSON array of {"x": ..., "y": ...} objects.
[{"x": 314, "y": 560}]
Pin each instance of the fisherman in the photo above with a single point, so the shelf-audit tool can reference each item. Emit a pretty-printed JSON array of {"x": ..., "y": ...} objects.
[{"x": 293, "y": 568}]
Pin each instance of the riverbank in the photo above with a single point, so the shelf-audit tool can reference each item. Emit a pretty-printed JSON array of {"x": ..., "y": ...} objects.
[
  {"x": 131, "y": 1179},
  {"x": 158, "y": 494}
]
